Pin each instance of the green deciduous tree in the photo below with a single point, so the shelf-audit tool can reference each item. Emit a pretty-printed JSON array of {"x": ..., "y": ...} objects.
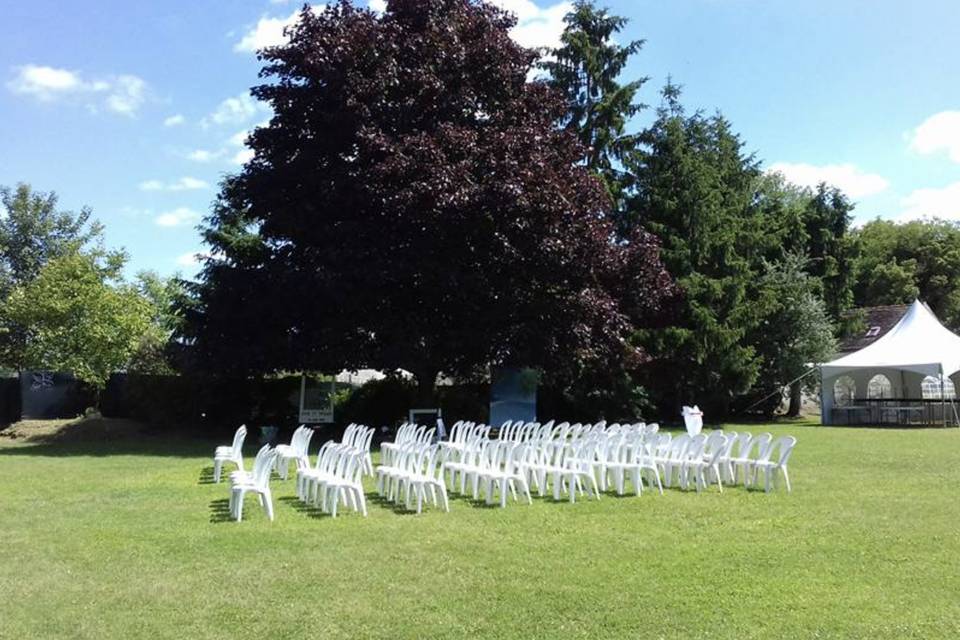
[
  {"x": 34, "y": 231},
  {"x": 900, "y": 261},
  {"x": 79, "y": 317},
  {"x": 795, "y": 329},
  {"x": 162, "y": 294}
]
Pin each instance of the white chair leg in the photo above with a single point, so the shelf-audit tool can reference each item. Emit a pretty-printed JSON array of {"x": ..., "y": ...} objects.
[
  {"x": 267, "y": 501},
  {"x": 444, "y": 499},
  {"x": 363, "y": 501},
  {"x": 239, "y": 505},
  {"x": 334, "y": 501},
  {"x": 217, "y": 468}
]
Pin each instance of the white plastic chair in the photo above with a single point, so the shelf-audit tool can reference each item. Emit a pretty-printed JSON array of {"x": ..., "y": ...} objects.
[
  {"x": 707, "y": 465},
  {"x": 671, "y": 460},
  {"x": 258, "y": 482},
  {"x": 746, "y": 458},
  {"x": 427, "y": 482},
  {"x": 577, "y": 474},
  {"x": 295, "y": 451},
  {"x": 508, "y": 473},
  {"x": 770, "y": 467},
  {"x": 308, "y": 479},
  {"x": 345, "y": 487},
  {"x": 232, "y": 453},
  {"x": 639, "y": 461},
  {"x": 691, "y": 458}
]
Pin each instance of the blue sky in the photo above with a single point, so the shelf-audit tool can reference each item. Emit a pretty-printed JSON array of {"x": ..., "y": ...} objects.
[{"x": 138, "y": 109}]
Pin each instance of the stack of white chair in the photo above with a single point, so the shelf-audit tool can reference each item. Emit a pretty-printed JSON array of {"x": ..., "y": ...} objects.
[
  {"x": 257, "y": 482},
  {"x": 296, "y": 451},
  {"x": 232, "y": 453}
]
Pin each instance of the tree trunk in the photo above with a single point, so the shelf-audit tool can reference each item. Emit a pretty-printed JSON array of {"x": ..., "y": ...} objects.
[
  {"x": 796, "y": 399},
  {"x": 426, "y": 386}
]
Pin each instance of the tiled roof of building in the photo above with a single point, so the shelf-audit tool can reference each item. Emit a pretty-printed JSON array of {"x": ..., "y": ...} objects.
[{"x": 877, "y": 321}]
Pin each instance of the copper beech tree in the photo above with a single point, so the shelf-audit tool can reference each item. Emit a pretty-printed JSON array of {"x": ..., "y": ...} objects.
[{"x": 413, "y": 203}]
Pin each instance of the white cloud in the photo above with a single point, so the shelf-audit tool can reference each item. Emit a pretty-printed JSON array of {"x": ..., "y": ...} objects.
[
  {"x": 846, "y": 177},
  {"x": 174, "y": 120},
  {"x": 204, "y": 155},
  {"x": 151, "y": 185},
  {"x": 185, "y": 183},
  {"x": 45, "y": 83},
  {"x": 190, "y": 259},
  {"x": 194, "y": 258},
  {"x": 268, "y": 32},
  {"x": 135, "y": 212},
  {"x": 127, "y": 94},
  {"x": 933, "y": 203},
  {"x": 243, "y": 156},
  {"x": 536, "y": 27},
  {"x": 239, "y": 139},
  {"x": 123, "y": 94},
  {"x": 378, "y": 5},
  {"x": 236, "y": 110},
  {"x": 177, "y": 217},
  {"x": 939, "y": 132}
]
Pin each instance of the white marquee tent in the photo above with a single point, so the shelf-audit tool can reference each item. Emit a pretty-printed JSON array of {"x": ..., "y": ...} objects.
[{"x": 918, "y": 346}]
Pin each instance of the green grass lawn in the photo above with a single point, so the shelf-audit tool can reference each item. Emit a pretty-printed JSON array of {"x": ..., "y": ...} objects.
[{"x": 130, "y": 540}]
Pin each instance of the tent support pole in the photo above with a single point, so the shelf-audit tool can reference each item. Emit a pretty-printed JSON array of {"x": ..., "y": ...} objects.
[{"x": 943, "y": 404}]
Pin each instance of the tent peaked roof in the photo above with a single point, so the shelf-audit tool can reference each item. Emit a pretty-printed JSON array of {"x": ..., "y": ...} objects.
[{"x": 918, "y": 343}]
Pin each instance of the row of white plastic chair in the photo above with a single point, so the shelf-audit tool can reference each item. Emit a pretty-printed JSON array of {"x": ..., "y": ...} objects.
[
  {"x": 413, "y": 471},
  {"x": 569, "y": 458},
  {"x": 592, "y": 459},
  {"x": 337, "y": 477}
]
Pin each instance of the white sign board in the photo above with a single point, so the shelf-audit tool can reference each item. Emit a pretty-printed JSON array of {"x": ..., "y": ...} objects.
[{"x": 316, "y": 401}]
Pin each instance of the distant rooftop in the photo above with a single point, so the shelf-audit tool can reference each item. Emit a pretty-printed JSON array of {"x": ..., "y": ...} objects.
[{"x": 878, "y": 321}]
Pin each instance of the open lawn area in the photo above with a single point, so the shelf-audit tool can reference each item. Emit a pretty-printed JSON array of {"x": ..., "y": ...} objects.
[{"x": 132, "y": 540}]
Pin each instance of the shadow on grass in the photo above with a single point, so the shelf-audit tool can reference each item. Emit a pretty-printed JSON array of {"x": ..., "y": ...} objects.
[
  {"x": 220, "y": 510},
  {"x": 206, "y": 476},
  {"x": 304, "y": 508}
]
